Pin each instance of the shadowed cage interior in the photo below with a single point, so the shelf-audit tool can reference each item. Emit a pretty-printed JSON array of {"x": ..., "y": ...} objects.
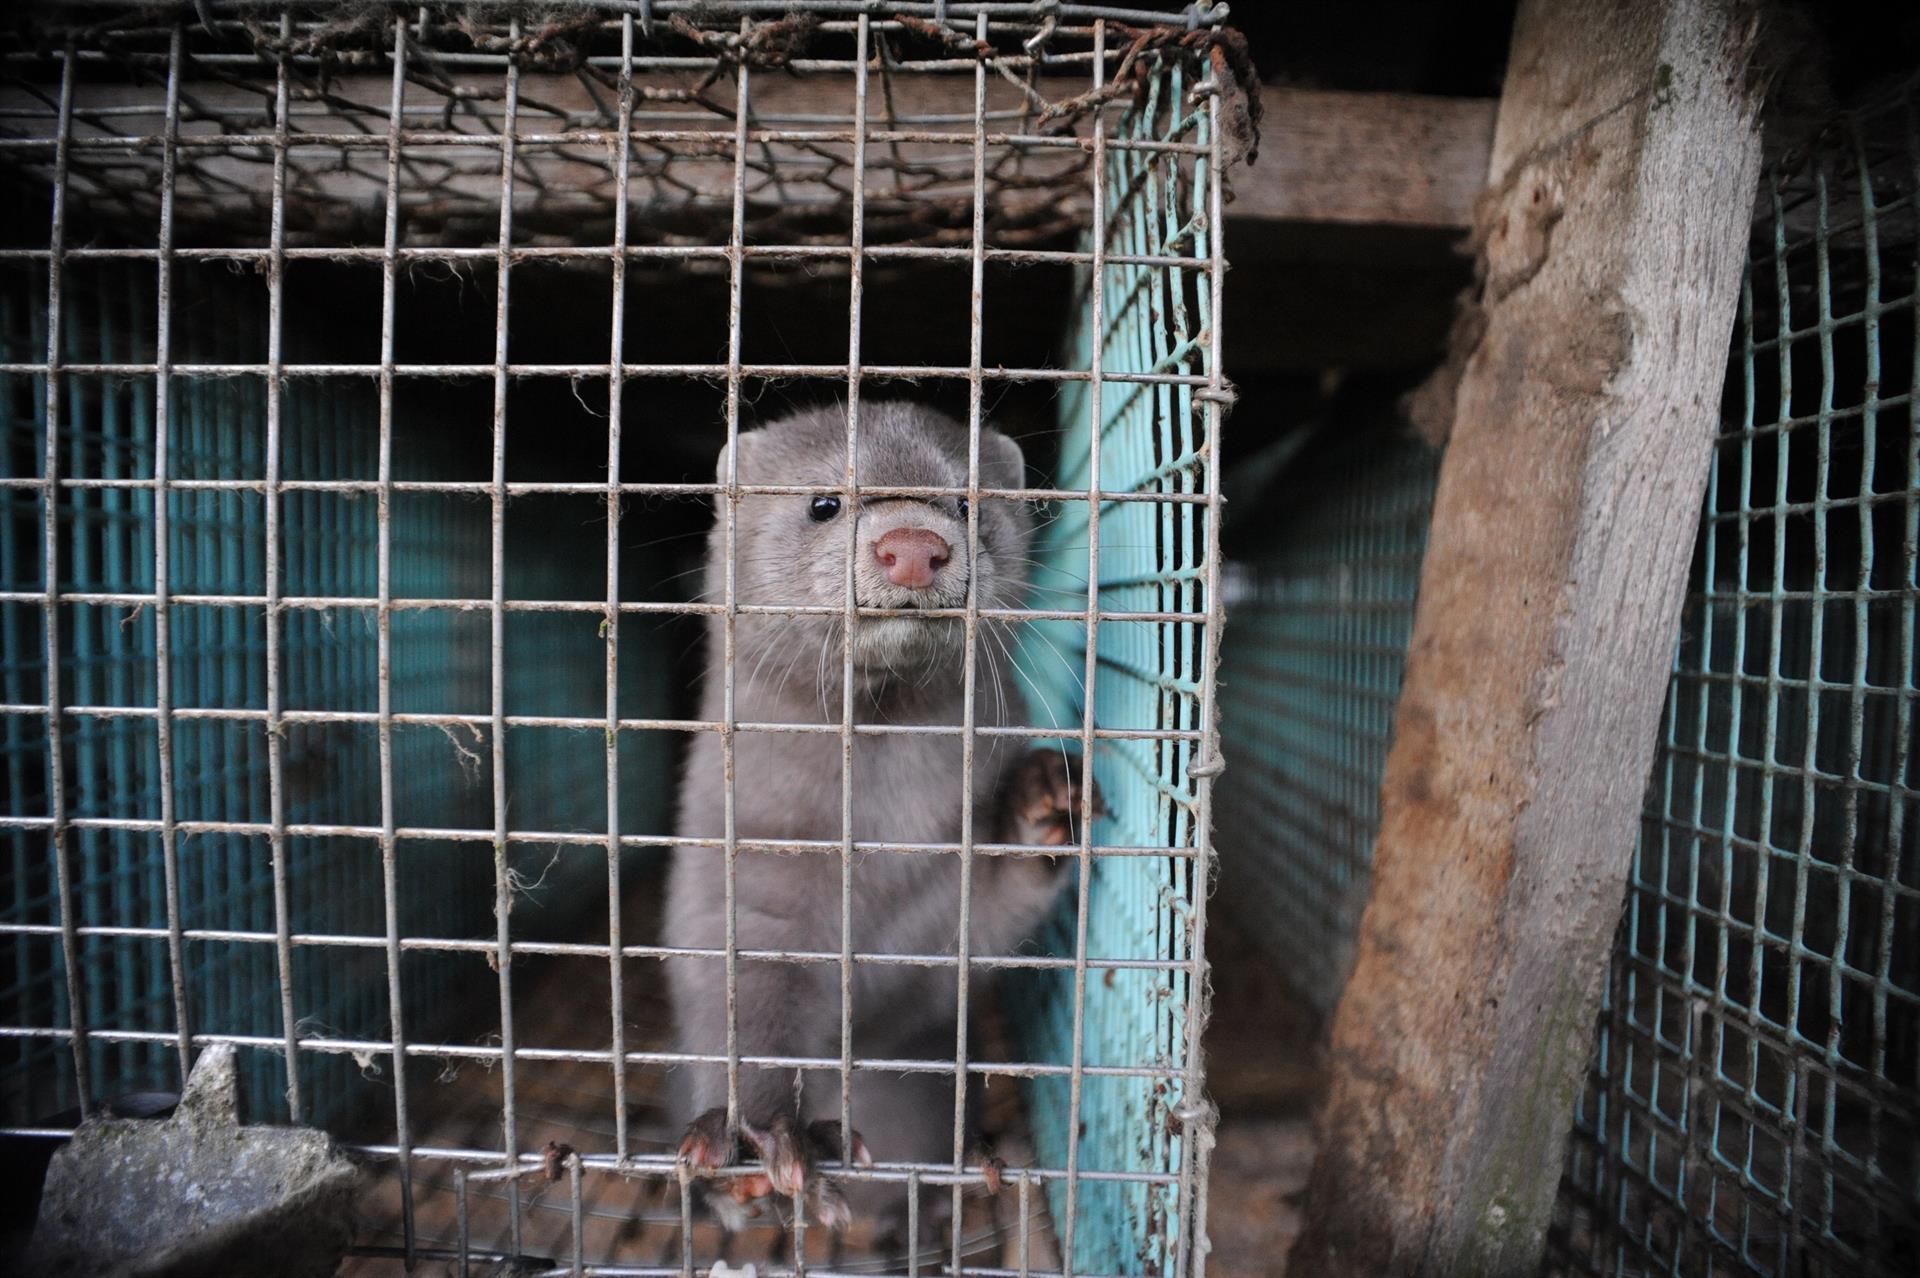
[{"x": 355, "y": 360}]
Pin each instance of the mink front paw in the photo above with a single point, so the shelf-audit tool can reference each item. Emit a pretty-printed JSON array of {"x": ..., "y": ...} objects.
[
  {"x": 1044, "y": 799},
  {"x": 709, "y": 1143},
  {"x": 788, "y": 1154},
  {"x": 790, "y": 1151}
]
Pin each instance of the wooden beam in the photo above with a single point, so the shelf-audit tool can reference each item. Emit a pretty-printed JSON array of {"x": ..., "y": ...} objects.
[
  {"x": 1376, "y": 159},
  {"x": 1625, "y": 162},
  {"x": 1370, "y": 159}
]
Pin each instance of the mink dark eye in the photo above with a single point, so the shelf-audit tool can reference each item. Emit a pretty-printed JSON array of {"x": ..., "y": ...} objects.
[
  {"x": 963, "y": 508},
  {"x": 823, "y": 509}
]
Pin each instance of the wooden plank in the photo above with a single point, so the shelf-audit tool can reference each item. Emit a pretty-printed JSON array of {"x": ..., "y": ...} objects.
[
  {"x": 1377, "y": 159},
  {"x": 1368, "y": 159},
  {"x": 1627, "y": 157}
]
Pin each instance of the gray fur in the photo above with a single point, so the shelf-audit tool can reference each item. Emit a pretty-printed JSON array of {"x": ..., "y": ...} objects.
[{"x": 906, "y": 788}]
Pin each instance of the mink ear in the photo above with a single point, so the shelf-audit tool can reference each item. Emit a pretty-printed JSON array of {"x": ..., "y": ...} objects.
[
  {"x": 746, "y": 451},
  {"x": 1002, "y": 464}
]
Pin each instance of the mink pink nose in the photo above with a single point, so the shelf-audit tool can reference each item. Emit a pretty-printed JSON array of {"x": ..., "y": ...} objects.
[{"x": 911, "y": 556}]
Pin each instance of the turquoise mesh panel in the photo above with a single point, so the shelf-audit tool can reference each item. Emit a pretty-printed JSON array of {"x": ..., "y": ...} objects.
[
  {"x": 1754, "y": 1104},
  {"x": 329, "y": 663},
  {"x": 1148, "y": 677},
  {"x": 1310, "y": 676}
]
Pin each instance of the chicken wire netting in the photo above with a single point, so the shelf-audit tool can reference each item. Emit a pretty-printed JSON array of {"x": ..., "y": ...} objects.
[
  {"x": 1754, "y": 1104},
  {"x": 336, "y": 692}
]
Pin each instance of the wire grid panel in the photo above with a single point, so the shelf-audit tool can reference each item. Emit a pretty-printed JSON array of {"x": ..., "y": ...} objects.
[
  {"x": 1754, "y": 1105},
  {"x": 216, "y": 546},
  {"x": 1142, "y": 557},
  {"x": 1321, "y": 621},
  {"x": 448, "y": 140}
]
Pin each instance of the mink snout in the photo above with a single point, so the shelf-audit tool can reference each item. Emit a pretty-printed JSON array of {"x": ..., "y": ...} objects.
[{"x": 911, "y": 556}]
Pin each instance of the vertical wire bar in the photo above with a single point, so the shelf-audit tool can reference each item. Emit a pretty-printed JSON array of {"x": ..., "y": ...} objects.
[
  {"x": 497, "y": 677},
  {"x": 389, "y": 867},
  {"x": 465, "y": 1234},
  {"x": 1196, "y": 1130},
  {"x": 162, "y": 532},
  {"x": 730, "y": 515},
  {"x": 1026, "y": 1220},
  {"x": 575, "y": 1207},
  {"x": 276, "y": 790},
  {"x": 1158, "y": 322},
  {"x": 686, "y": 1209},
  {"x": 616, "y": 985},
  {"x": 1770, "y": 734},
  {"x": 50, "y": 551},
  {"x": 1790, "y": 1198},
  {"x": 970, "y": 659},
  {"x": 913, "y": 1223},
  {"x": 122, "y": 655},
  {"x": 1084, "y": 885},
  {"x": 1857, "y": 695},
  {"x": 1903, "y": 680},
  {"x": 1689, "y": 1165},
  {"x": 1693, "y": 1167},
  {"x": 857, "y": 238}
]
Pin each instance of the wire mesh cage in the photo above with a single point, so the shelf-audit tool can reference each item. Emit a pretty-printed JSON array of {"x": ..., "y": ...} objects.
[
  {"x": 1322, "y": 612},
  {"x": 1755, "y": 1096},
  {"x": 366, "y": 366}
]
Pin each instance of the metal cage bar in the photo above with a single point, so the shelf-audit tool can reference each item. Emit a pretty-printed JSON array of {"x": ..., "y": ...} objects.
[{"x": 389, "y": 851}]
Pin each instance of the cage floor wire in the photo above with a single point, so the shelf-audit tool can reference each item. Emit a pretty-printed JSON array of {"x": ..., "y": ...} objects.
[{"x": 626, "y": 1222}]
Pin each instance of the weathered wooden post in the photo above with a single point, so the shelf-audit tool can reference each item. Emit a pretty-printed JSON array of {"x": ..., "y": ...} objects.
[{"x": 1624, "y": 164}]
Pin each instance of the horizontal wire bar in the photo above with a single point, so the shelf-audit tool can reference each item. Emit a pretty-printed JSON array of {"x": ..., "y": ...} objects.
[
  {"x": 721, "y": 142},
  {"x": 1842, "y": 873},
  {"x": 1006, "y": 12},
  {"x": 590, "y": 950},
  {"x": 586, "y": 723},
  {"x": 1790, "y": 946},
  {"x": 716, "y": 372},
  {"x": 593, "y": 1056},
  {"x": 468, "y": 835},
  {"x": 531, "y": 488},
  {"x": 632, "y": 253},
  {"x": 590, "y": 1269},
  {"x": 325, "y": 603},
  {"x": 1776, "y": 1037}
]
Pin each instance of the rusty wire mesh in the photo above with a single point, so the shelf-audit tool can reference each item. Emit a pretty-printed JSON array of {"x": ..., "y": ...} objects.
[{"x": 190, "y": 161}]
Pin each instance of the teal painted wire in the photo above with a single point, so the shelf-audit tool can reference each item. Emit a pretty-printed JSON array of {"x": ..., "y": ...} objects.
[
  {"x": 1311, "y": 669},
  {"x": 1149, "y": 677},
  {"x": 1754, "y": 1102},
  {"x": 218, "y": 547}
]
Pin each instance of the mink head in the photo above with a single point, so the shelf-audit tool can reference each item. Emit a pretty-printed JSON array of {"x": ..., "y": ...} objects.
[{"x": 907, "y": 553}]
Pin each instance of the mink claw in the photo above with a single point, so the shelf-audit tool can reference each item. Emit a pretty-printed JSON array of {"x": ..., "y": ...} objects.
[
  {"x": 708, "y": 1144},
  {"x": 780, "y": 1148},
  {"x": 1047, "y": 796},
  {"x": 825, "y": 1136},
  {"x": 829, "y": 1205}
]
